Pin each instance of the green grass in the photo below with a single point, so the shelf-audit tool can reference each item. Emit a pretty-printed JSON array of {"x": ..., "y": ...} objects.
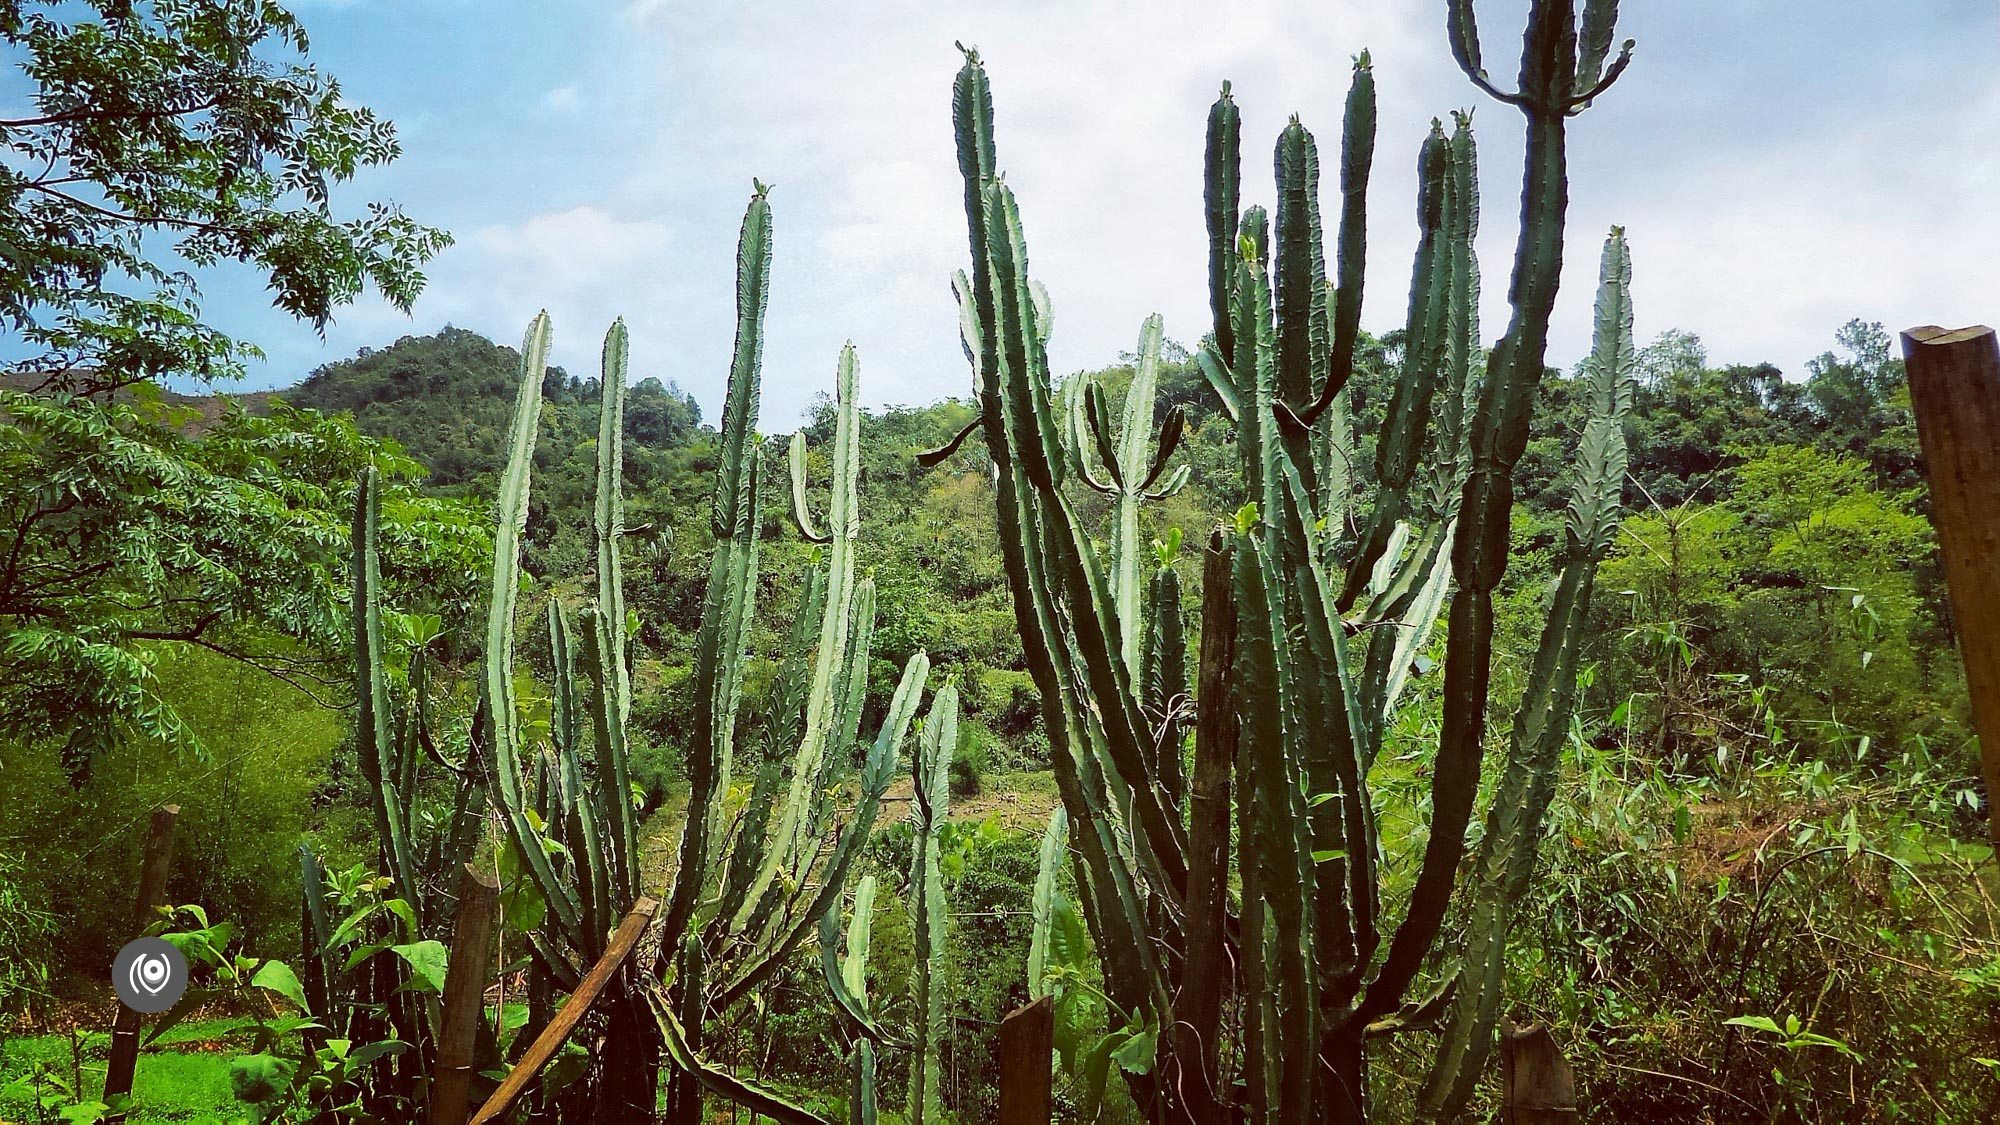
[{"x": 170, "y": 1085}]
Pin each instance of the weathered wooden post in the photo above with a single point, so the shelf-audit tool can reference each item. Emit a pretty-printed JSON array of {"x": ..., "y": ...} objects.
[
  {"x": 1955, "y": 392},
  {"x": 1027, "y": 1084},
  {"x": 464, "y": 995},
  {"x": 1537, "y": 1085},
  {"x": 152, "y": 895}
]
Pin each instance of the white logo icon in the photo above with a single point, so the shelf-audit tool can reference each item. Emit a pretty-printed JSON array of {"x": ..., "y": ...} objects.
[{"x": 150, "y": 974}]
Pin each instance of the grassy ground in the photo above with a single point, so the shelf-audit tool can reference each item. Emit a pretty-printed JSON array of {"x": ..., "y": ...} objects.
[{"x": 183, "y": 1077}]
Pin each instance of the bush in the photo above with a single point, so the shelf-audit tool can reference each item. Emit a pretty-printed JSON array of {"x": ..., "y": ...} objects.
[
  {"x": 25, "y": 934},
  {"x": 244, "y": 810},
  {"x": 1009, "y": 700},
  {"x": 970, "y": 760}
]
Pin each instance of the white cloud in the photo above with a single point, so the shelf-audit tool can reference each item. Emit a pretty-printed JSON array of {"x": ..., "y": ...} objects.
[
  {"x": 563, "y": 99},
  {"x": 1765, "y": 253},
  {"x": 1757, "y": 228}
]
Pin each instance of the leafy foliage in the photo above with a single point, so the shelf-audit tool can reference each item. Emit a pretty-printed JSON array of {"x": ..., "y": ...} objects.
[
  {"x": 171, "y": 136},
  {"x": 120, "y": 532}
]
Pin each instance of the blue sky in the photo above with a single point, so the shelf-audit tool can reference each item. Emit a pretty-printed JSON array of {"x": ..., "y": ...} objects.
[{"x": 1780, "y": 166}]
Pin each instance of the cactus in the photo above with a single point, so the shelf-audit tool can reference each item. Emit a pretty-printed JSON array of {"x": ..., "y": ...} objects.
[
  {"x": 846, "y": 978},
  {"x": 746, "y": 897},
  {"x": 1312, "y": 608},
  {"x": 930, "y": 794}
]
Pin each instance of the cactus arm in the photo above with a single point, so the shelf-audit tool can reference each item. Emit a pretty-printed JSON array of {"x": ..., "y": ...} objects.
[
  {"x": 1133, "y": 472},
  {"x": 1173, "y": 430},
  {"x": 1599, "y": 30},
  {"x": 1164, "y": 681},
  {"x": 1357, "y": 159},
  {"x": 861, "y": 1084},
  {"x": 376, "y": 736},
  {"x": 846, "y": 980},
  {"x": 610, "y": 672},
  {"x": 1403, "y": 434},
  {"x": 739, "y": 409},
  {"x": 608, "y": 516},
  {"x": 1221, "y": 179},
  {"x": 943, "y": 452},
  {"x": 931, "y": 793},
  {"x": 1299, "y": 282},
  {"x": 571, "y": 813},
  {"x": 1205, "y": 976},
  {"x": 1097, "y": 432},
  {"x": 1462, "y": 28},
  {"x": 715, "y": 1079},
  {"x": 1542, "y": 723},
  {"x": 1042, "y": 903},
  {"x": 620, "y": 843},
  {"x": 503, "y": 733},
  {"x": 1222, "y": 381},
  {"x": 801, "y": 511},
  {"x": 1022, "y": 366},
  {"x": 1583, "y": 100}
]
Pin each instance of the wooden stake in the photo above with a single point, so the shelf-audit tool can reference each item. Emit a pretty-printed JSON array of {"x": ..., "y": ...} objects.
[
  {"x": 464, "y": 995},
  {"x": 1027, "y": 1085},
  {"x": 1955, "y": 391},
  {"x": 152, "y": 895},
  {"x": 623, "y": 942},
  {"x": 1538, "y": 1087}
]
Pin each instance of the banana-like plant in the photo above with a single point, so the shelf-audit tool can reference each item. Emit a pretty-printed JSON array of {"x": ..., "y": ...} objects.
[{"x": 1312, "y": 608}]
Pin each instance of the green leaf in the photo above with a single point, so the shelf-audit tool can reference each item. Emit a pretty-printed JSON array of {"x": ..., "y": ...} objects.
[
  {"x": 1135, "y": 1055},
  {"x": 1758, "y": 1023},
  {"x": 427, "y": 960},
  {"x": 259, "y": 1078},
  {"x": 278, "y": 977}
]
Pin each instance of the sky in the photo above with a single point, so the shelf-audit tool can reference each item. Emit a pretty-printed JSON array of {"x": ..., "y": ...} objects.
[{"x": 1781, "y": 166}]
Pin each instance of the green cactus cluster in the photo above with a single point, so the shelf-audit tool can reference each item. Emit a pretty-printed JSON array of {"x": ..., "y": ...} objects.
[
  {"x": 930, "y": 796},
  {"x": 1316, "y": 601},
  {"x": 746, "y": 892}
]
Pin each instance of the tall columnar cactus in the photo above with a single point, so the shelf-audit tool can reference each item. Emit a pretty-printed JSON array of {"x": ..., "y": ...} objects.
[
  {"x": 1313, "y": 608},
  {"x": 746, "y": 895}
]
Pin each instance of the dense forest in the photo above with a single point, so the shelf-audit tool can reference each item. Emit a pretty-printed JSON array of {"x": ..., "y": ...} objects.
[{"x": 1308, "y": 722}]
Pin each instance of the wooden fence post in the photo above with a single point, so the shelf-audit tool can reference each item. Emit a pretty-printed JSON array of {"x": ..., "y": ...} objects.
[
  {"x": 464, "y": 996},
  {"x": 1955, "y": 392},
  {"x": 152, "y": 895},
  {"x": 623, "y": 941},
  {"x": 1026, "y": 1081},
  {"x": 1538, "y": 1087}
]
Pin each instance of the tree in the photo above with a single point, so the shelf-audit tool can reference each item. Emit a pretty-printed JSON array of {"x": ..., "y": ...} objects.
[
  {"x": 120, "y": 533},
  {"x": 164, "y": 137},
  {"x": 173, "y": 135}
]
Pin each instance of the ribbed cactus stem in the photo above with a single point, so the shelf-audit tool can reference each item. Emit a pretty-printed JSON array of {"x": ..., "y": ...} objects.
[
  {"x": 727, "y": 607},
  {"x": 931, "y": 794},
  {"x": 1541, "y": 724}
]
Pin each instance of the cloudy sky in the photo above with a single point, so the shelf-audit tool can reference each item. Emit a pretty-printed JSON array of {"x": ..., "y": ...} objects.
[{"x": 1781, "y": 166}]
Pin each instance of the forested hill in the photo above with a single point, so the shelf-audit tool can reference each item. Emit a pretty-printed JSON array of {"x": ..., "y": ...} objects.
[{"x": 1776, "y": 548}]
